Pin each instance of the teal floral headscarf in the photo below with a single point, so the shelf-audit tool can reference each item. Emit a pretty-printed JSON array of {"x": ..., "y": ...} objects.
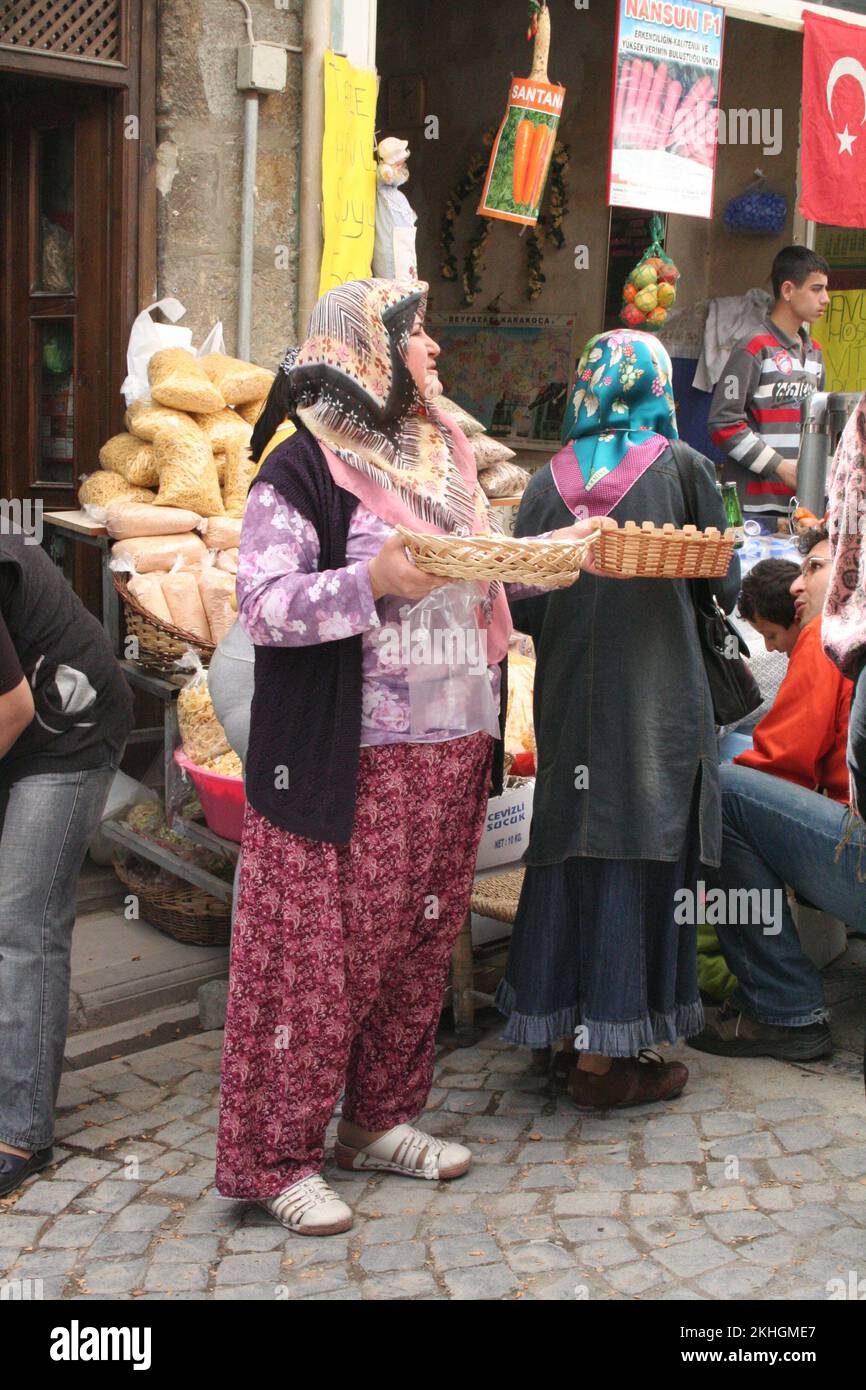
[{"x": 621, "y": 412}]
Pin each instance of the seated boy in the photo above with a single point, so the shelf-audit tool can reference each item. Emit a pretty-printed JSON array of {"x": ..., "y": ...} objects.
[
  {"x": 766, "y": 602},
  {"x": 785, "y": 821}
]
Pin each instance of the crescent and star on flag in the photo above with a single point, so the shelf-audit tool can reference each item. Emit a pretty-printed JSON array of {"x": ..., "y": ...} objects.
[{"x": 846, "y": 67}]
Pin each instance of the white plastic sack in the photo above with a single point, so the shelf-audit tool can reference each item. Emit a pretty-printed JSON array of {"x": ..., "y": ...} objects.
[
  {"x": 147, "y": 337},
  {"x": 122, "y": 796}
]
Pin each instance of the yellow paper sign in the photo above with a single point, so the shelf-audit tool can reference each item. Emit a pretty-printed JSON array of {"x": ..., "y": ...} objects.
[
  {"x": 348, "y": 173},
  {"x": 842, "y": 335}
]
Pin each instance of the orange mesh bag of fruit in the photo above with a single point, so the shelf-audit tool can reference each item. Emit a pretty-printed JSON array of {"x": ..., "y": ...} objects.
[{"x": 650, "y": 291}]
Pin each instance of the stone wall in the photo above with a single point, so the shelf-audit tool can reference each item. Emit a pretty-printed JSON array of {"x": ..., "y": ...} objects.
[{"x": 199, "y": 159}]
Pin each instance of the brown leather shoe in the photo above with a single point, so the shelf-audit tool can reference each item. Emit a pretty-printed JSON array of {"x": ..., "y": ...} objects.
[
  {"x": 630, "y": 1081},
  {"x": 729, "y": 1033}
]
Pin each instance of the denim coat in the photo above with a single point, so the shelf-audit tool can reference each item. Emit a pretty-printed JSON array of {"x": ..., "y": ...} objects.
[{"x": 623, "y": 715}]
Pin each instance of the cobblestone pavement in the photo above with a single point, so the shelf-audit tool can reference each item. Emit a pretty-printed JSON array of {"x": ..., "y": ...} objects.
[{"x": 753, "y": 1184}]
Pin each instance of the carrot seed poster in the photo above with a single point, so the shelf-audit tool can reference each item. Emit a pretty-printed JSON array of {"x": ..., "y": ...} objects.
[{"x": 665, "y": 106}]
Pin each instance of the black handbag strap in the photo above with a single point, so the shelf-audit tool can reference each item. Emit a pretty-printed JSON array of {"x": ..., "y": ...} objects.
[{"x": 699, "y": 588}]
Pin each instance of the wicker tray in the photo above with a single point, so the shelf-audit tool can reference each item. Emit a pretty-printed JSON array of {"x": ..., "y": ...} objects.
[
  {"x": 181, "y": 911},
  {"x": 548, "y": 564},
  {"x": 158, "y": 643},
  {"x": 663, "y": 552}
]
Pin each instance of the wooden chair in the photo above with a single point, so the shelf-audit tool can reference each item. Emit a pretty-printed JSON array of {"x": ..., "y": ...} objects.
[{"x": 476, "y": 971}]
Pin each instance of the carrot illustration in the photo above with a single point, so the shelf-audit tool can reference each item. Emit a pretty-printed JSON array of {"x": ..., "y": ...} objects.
[
  {"x": 652, "y": 109},
  {"x": 539, "y": 139},
  {"x": 623, "y": 86},
  {"x": 666, "y": 120},
  {"x": 522, "y": 142},
  {"x": 542, "y": 157}
]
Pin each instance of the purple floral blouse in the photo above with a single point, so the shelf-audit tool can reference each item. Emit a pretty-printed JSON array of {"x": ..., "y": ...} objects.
[{"x": 284, "y": 601}]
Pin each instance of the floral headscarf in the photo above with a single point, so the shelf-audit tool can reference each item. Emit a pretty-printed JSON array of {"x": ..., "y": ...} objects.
[
  {"x": 620, "y": 418},
  {"x": 355, "y": 393}
]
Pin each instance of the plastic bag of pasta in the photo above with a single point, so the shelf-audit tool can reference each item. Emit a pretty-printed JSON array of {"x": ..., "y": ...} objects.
[
  {"x": 224, "y": 427},
  {"x": 178, "y": 379},
  {"x": 103, "y": 487},
  {"x": 237, "y": 382},
  {"x": 144, "y": 418},
  {"x": 239, "y": 472},
  {"x": 217, "y": 590},
  {"x": 181, "y": 591},
  {"x": 131, "y": 458},
  {"x": 201, "y": 733},
  {"x": 187, "y": 472}
]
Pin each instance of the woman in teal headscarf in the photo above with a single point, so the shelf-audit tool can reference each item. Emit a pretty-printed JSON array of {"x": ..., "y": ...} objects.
[{"x": 627, "y": 793}]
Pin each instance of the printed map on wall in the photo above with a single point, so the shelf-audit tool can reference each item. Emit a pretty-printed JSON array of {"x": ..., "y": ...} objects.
[{"x": 511, "y": 371}]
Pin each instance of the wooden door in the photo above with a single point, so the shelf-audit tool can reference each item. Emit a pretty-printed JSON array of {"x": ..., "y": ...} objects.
[{"x": 54, "y": 353}]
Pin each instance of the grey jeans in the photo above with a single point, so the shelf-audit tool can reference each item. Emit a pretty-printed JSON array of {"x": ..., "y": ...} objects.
[{"x": 47, "y": 821}]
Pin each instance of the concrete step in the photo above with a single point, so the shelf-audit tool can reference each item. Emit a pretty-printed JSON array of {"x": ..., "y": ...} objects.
[
  {"x": 122, "y": 970},
  {"x": 135, "y": 1035}
]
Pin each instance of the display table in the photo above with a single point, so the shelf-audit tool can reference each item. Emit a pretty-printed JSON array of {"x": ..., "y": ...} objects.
[
  {"x": 77, "y": 526},
  {"x": 166, "y": 689}
]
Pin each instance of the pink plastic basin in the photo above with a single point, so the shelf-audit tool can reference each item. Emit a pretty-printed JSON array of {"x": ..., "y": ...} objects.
[{"x": 222, "y": 798}]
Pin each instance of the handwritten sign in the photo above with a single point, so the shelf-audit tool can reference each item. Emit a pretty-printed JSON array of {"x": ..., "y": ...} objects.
[
  {"x": 348, "y": 173},
  {"x": 842, "y": 335}
]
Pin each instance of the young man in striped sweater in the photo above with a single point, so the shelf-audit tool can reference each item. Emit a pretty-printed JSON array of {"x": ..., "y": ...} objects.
[{"x": 755, "y": 413}]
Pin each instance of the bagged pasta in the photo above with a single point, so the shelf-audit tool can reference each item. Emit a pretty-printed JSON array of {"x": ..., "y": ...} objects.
[
  {"x": 201, "y": 733},
  {"x": 145, "y": 554},
  {"x": 221, "y": 532},
  {"x": 146, "y": 589},
  {"x": 124, "y": 519},
  {"x": 217, "y": 591},
  {"x": 182, "y": 595},
  {"x": 131, "y": 458},
  {"x": 227, "y": 560},
  {"x": 240, "y": 469},
  {"x": 187, "y": 473},
  {"x": 503, "y": 480},
  {"x": 224, "y": 427},
  {"x": 237, "y": 382},
  {"x": 466, "y": 422},
  {"x": 178, "y": 379},
  {"x": 488, "y": 451},
  {"x": 103, "y": 487},
  {"x": 144, "y": 418},
  {"x": 252, "y": 411}
]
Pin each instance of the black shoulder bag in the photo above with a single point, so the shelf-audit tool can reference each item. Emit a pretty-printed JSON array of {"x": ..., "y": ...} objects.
[{"x": 733, "y": 688}]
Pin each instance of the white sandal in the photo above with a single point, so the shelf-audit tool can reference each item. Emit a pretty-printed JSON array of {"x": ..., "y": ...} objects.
[
  {"x": 409, "y": 1151},
  {"x": 310, "y": 1208}
]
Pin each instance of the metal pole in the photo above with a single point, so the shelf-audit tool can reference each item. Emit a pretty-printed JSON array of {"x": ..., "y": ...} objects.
[
  {"x": 248, "y": 219},
  {"x": 317, "y": 38}
]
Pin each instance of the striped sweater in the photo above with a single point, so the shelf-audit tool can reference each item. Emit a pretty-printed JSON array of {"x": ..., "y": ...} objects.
[{"x": 755, "y": 412}]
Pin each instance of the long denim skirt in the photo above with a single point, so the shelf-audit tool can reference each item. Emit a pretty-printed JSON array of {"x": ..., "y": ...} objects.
[{"x": 596, "y": 953}]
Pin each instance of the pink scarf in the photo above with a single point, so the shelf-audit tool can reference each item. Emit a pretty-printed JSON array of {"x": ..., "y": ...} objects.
[{"x": 390, "y": 508}]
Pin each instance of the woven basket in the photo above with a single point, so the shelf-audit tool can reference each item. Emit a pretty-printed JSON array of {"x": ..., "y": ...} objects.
[
  {"x": 548, "y": 564},
  {"x": 183, "y": 911},
  {"x": 663, "y": 552},
  {"x": 498, "y": 895},
  {"x": 158, "y": 644}
]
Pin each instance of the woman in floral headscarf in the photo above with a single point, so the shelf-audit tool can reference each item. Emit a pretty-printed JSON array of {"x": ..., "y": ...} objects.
[
  {"x": 627, "y": 794},
  {"x": 363, "y": 817}
]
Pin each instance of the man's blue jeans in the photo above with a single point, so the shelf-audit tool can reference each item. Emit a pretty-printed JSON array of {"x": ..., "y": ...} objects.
[
  {"x": 776, "y": 833},
  {"x": 47, "y": 821}
]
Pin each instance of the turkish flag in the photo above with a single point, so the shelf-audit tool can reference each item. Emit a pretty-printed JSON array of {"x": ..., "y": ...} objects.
[{"x": 833, "y": 184}]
